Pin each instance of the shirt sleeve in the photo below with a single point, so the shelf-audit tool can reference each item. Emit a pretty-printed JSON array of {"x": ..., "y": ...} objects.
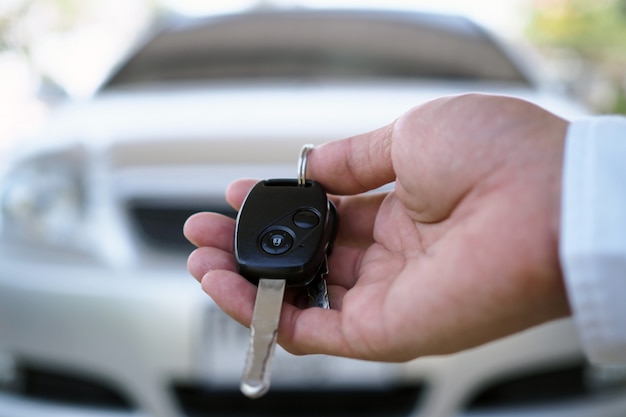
[{"x": 592, "y": 244}]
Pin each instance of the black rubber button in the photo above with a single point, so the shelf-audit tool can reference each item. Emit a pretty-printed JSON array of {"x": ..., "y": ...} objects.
[
  {"x": 276, "y": 242},
  {"x": 306, "y": 219}
]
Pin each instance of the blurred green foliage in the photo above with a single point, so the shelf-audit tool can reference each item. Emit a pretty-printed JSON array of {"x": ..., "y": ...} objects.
[
  {"x": 20, "y": 20},
  {"x": 31, "y": 32},
  {"x": 593, "y": 27},
  {"x": 595, "y": 30}
]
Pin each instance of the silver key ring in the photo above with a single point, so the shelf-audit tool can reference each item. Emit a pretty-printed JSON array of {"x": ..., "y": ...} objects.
[{"x": 304, "y": 154}]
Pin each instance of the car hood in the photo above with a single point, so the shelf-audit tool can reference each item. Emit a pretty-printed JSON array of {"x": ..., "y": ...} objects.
[
  {"x": 259, "y": 112},
  {"x": 243, "y": 125}
]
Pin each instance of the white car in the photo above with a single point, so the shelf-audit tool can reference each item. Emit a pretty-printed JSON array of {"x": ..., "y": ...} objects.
[{"x": 98, "y": 314}]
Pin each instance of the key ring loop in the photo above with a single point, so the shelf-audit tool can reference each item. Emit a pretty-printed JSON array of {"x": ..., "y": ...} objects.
[{"x": 302, "y": 160}]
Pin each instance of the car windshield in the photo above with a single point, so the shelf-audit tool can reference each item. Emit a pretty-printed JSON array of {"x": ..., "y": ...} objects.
[{"x": 319, "y": 45}]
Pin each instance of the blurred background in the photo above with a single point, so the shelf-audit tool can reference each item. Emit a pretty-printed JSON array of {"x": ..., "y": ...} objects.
[
  {"x": 53, "y": 48},
  {"x": 120, "y": 118}
]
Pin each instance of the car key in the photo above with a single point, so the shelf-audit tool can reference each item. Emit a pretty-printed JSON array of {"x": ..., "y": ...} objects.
[{"x": 283, "y": 233}]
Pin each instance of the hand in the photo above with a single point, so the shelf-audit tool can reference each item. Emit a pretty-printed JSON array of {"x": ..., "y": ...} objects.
[{"x": 462, "y": 252}]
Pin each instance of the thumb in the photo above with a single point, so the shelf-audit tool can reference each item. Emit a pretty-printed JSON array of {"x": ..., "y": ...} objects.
[{"x": 353, "y": 165}]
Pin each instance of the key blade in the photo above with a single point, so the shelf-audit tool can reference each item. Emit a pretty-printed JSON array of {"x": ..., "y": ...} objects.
[{"x": 263, "y": 334}]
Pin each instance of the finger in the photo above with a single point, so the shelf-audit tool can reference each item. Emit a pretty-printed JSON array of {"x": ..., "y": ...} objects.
[
  {"x": 238, "y": 190},
  {"x": 205, "y": 259},
  {"x": 312, "y": 330},
  {"x": 236, "y": 297},
  {"x": 355, "y": 164},
  {"x": 232, "y": 293},
  {"x": 210, "y": 229}
]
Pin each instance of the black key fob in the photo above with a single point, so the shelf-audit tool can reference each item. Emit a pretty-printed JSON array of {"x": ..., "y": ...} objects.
[{"x": 284, "y": 231}]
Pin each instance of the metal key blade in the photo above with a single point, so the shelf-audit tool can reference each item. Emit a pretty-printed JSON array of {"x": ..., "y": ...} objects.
[{"x": 263, "y": 334}]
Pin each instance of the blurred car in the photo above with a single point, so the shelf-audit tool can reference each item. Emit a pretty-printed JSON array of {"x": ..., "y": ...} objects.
[{"x": 98, "y": 315}]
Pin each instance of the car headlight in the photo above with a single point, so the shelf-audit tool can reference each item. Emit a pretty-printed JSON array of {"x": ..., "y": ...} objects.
[{"x": 43, "y": 199}]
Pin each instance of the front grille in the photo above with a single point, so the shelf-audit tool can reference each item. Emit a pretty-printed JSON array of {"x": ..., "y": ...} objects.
[
  {"x": 568, "y": 381},
  {"x": 390, "y": 401},
  {"x": 160, "y": 226},
  {"x": 63, "y": 387}
]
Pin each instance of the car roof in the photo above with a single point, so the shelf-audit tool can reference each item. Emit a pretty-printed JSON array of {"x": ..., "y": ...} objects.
[{"x": 319, "y": 44}]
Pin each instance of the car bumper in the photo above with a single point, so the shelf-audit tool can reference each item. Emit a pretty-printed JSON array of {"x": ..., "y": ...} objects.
[
  {"x": 151, "y": 337},
  {"x": 136, "y": 334},
  {"x": 132, "y": 329}
]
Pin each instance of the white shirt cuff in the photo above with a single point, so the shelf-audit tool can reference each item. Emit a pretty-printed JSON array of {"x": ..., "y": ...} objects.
[{"x": 593, "y": 234}]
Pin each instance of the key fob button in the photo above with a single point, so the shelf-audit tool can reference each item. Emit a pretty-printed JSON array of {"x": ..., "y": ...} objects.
[
  {"x": 276, "y": 242},
  {"x": 306, "y": 219}
]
